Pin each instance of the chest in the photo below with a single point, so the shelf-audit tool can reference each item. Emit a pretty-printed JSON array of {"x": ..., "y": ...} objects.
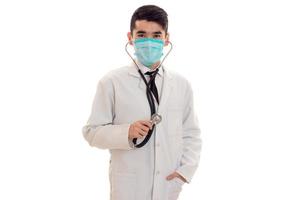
[{"x": 131, "y": 102}]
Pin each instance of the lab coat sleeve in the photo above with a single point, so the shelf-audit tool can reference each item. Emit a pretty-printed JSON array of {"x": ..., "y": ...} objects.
[
  {"x": 100, "y": 131},
  {"x": 192, "y": 142}
]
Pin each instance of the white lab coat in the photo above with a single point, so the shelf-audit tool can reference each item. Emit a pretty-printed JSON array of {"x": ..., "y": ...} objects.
[{"x": 140, "y": 173}]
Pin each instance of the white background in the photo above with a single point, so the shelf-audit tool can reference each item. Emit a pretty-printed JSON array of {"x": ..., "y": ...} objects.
[{"x": 242, "y": 58}]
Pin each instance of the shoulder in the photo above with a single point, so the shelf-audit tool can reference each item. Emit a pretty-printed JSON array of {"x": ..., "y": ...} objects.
[{"x": 114, "y": 74}]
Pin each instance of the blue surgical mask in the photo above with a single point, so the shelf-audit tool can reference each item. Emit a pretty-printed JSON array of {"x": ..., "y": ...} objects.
[{"x": 148, "y": 50}]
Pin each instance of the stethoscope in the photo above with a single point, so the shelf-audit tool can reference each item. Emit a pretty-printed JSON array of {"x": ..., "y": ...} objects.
[{"x": 155, "y": 117}]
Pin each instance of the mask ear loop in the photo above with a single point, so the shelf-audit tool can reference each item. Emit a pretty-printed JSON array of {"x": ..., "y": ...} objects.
[
  {"x": 130, "y": 54},
  {"x": 171, "y": 48}
]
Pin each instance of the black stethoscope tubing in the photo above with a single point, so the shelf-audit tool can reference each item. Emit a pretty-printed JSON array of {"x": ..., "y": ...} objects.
[
  {"x": 152, "y": 109},
  {"x": 149, "y": 97}
]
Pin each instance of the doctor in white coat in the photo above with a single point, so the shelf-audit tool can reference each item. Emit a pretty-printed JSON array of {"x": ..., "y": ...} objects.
[{"x": 120, "y": 113}]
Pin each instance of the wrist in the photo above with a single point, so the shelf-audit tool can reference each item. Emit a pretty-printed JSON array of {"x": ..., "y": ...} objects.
[{"x": 129, "y": 132}]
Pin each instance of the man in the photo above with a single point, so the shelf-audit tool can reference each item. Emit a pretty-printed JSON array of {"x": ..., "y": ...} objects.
[{"x": 120, "y": 114}]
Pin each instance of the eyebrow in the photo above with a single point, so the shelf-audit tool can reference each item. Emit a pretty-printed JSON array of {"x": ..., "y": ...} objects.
[
  {"x": 156, "y": 33},
  {"x": 139, "y": 32}
]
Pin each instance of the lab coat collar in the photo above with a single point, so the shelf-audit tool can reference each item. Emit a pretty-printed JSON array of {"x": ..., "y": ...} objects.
[
  {"x": 145, "y": 69},
  {"x": 134, "y": 72},
  {"x": 167, "y": 84}
]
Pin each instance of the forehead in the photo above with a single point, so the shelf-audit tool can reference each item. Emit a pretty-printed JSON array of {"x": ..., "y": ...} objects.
[{"x": 148, "y": 26}]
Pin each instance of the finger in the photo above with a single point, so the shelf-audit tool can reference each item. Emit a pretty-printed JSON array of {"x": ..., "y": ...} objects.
[
  {"x": 171, "y": 176},
  {"x": 147, "y": 123},
  {"x": 181, "y": 177},
  {"x": 138, "y": 135},
  {"x": 144, "y": 128},
  {"x": 142, "y": 134},
  {"x": 141, "y": 131}
]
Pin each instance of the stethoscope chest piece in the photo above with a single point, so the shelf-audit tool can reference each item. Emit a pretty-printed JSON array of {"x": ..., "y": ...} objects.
[{"x": 156, "y": 118}]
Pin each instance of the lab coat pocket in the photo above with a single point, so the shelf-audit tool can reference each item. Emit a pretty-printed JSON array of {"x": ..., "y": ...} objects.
[
  {"x": 179, "y": 181},
  {"x": 174, "y": 120},
  {"x": 175, "y": 187},
  {"x": 123, "y": 186}
]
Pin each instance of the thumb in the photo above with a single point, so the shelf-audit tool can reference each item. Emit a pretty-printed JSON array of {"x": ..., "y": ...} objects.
[{"x": 171, "y": 176}]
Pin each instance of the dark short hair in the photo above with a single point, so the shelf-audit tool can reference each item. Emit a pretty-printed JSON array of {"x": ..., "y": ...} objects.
[{"x": 150, "y": 13}]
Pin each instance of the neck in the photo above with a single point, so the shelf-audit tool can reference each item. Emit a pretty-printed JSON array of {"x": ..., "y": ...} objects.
[{"x": 155, "y": 65}]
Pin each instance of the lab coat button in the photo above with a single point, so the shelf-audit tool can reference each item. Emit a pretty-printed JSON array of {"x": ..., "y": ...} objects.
[
  {"x": 157, "y": 144},
  {"x": 157, "y": 172}
]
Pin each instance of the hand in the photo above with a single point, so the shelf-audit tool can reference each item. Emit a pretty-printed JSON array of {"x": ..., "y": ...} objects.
[
  {"x": 176, "y": 175},
  {"x": 139, "y": 129}
]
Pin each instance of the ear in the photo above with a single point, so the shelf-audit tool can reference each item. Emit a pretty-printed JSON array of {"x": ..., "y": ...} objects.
[
  {"x": 129, "y": 36},
  {"x": 167, "y": 40}
]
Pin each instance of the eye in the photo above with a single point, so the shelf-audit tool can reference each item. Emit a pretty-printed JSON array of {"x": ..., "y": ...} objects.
[
  {"x": 157, "y": 36},
  {"x": 140, "y": 35}
]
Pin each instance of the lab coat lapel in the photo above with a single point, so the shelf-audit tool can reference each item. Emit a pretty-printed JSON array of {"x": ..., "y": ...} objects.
[
  {"x": 166, "y": 90},
  {"x": 134, "y": 72},
  {"x": 167, "y": 85}
]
